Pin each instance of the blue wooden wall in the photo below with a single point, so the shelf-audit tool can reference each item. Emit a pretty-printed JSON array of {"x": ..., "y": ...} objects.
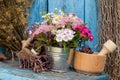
[{"x": 85, "y": 9}]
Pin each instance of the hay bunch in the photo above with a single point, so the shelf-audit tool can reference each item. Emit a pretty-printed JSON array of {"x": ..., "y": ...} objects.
[
  {"x": 28, "y": 60},
  {"x": 109, "y": 20},
  {"x": 13, "y": 22}
]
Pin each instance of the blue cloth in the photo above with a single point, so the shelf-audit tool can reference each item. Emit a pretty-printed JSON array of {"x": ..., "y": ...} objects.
[
  {"x": 4, "y": 76},
  {"x": 10, "y": 71}
]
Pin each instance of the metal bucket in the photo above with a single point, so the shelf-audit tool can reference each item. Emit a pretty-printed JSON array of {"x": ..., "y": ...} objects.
[{"x": 60, "y": 57}]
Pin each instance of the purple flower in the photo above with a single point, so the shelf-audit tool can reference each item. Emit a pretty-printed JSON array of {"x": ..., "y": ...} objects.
[{"x": 28, "y": 28}]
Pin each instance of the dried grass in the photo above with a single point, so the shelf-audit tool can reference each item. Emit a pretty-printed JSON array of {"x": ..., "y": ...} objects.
[{"x": 13, "y": 21}]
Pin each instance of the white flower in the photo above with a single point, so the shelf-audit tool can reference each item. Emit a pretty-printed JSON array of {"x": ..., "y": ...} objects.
[
  {"x": 59, "y": 38},
  {"x": 49, "y": 14},
  {"x": 64, "y": 35},
  {"x": 72, "y": 16},
  {"x": 69, "y": 32},
  {"x": 63, "y": 26},
  {"x": 59, "y": 32},
  {"x": 43, "y": 16},
  {"x": 61, "y": 12},
  {"x": 70, "y": 37},
  {"x": 30, "y": 32},
  {"x": 66, "y": 38},
  {"x": 54, "y": 31},
  {"x": 56, "y": 19}
]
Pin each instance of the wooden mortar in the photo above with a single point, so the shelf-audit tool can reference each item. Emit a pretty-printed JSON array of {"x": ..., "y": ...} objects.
[{"x": 89, "y": 63}]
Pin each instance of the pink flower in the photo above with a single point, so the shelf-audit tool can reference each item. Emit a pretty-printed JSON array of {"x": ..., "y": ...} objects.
[
  {"x": 90, "y": 37},
  {"x": 85, "y": 32},
  {"x": 75, "y": 21},
  {"x": 79, "y": 28},
  {"x": 42, "y": 28}
]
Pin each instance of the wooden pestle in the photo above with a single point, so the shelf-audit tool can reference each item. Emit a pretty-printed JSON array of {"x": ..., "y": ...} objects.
[{"x": 108, "y": 47}]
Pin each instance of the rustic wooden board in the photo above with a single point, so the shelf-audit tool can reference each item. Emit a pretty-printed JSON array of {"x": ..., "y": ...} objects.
[
  {"x": 91, "y": 17},
  {"x": 68, "y": 6},
  {"x": 52, "y": 4},
  {"x": 75, "y": 6},
  {"x": 35, "y": 11}
]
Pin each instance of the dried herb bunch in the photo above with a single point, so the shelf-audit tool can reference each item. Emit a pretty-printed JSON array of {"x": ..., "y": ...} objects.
[{"x": 13, "y": 23}]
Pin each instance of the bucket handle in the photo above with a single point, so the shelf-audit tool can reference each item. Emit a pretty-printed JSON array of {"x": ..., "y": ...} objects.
[{"x": 70, "y": 57}]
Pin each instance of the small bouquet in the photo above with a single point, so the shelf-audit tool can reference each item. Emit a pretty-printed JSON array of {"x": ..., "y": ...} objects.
[{"x": 59, "y": 30}]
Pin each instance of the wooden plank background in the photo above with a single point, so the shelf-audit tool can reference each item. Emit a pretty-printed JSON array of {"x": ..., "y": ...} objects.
[
  {"x": 35, "y": 11},
  {"x": 85, "y": 9},
  {"x": 91, "y": 18}
]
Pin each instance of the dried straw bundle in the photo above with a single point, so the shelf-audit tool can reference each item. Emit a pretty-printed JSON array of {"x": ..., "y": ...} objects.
[
  {"x": 109, "y": 20},
  {"x": 13, "y": 23},
  {"x": 37, "y": 63}
]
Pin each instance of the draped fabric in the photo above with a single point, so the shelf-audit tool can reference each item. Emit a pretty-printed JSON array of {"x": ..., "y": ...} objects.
[{"x": 85, "y": 9}]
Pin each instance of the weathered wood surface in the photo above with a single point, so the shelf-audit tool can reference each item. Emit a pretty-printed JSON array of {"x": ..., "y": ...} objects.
[
  {"x": 35, "y": 11},
  {"x": 91, "y": 18}
]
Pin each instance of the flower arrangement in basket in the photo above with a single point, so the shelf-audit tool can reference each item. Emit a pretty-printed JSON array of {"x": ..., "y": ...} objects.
[{"x": 58, "y": 30}]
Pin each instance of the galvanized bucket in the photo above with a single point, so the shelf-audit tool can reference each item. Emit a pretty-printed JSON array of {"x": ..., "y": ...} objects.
[{"x": 60, "y": 57}]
